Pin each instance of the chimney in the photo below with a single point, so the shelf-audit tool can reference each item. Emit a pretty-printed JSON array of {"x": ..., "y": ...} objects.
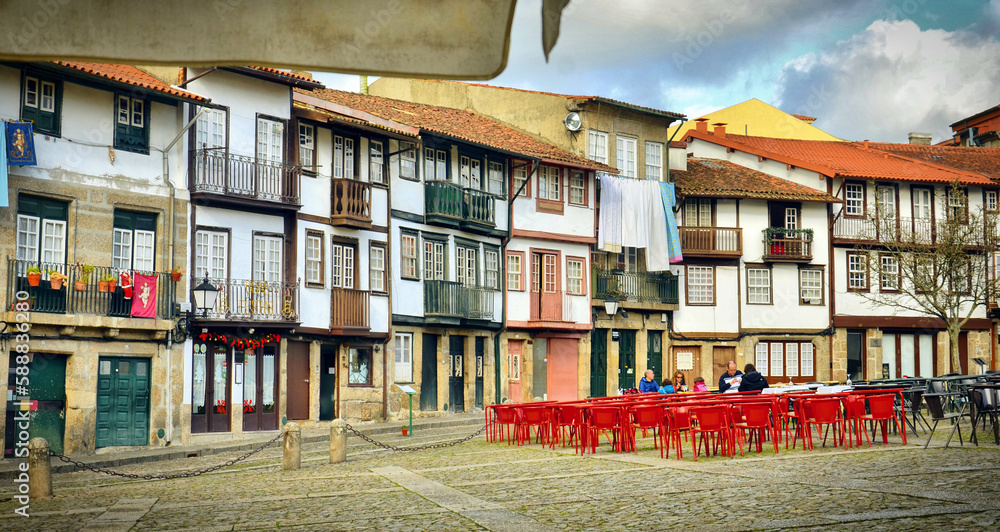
[
  {"x": 920, "y": 138},
  {"x": 364, "y": 84},
  {"x": 701, "y": 125},
  {"x": 720, "y": 129}
]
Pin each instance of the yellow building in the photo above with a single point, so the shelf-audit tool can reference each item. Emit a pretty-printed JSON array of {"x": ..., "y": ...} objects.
[{"x": 756, "y": 118}]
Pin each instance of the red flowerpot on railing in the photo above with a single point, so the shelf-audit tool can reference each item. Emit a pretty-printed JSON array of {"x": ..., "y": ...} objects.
[{"x": 34, "y": 279}]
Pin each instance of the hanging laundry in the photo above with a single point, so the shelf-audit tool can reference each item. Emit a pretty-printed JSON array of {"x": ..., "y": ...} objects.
[
  {"x": 632, "y": 215},
  {"x": 20, "y": 144},
  {"x": 609, "y": 237},
  {"x": 668, "y": 194}
]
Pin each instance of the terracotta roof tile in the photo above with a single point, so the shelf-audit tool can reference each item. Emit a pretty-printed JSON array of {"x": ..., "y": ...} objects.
[
  {"x": 980, "y": 160},
  {"x": 280, "y": 72},
  {"x": 843, "y": 159},
  {"x": 804, "y": 118},
  {"x": 456, "y": 123},
  {"x": 716, "y": 178},
  {"x": 132, "y": 76}
]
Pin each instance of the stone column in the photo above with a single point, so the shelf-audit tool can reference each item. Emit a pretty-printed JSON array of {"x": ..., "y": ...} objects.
[
  {"x": 293, "y": 455},
  {"x": 39, "y": 469},
  {"x": 338, "y": 441}
]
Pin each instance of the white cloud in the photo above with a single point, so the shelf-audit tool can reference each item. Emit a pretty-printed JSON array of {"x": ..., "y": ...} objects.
[{"x": 893, "y": 78}]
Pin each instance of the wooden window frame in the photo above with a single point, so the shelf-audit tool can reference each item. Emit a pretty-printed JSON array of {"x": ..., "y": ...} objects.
[
  {"x": 687, "y": 285},
  {"x": 507, "y": 271},
  {"x": 417, "y": 255},
  {"x": 583, "y": 275},
  {"x": 547, "y": 205},
  {"x": 384, "y": 146},
  {"x": 486, "y": 269},
  {"x": 987, "y": 194},
  {"x": 461, "y": 264},
  {"x": 521, "y": 165},
  {"x": 438, "y": 155},
  {"x": 371, "y": 365},
  {"x": 700, "y": 202},
  {"x": 867, "y": 273},
  {"x": 586, "y": 188},
  {"x": 395, "y": 358},
  {"x": 142, "y": 136},
  {"x": 414, "y": 157},
  {"x": 597, "y": 134},
  {"x": 822, "y": 285},
  {"x": 770, "y": 282},
  {"x": 352, "y": 244},
  {"x": 355, "y": 156},
  {"x": 864, "y": 199},
  {"x": 372, "y": 245},
  {"x": 899, "y": 274},
  {"x": 965, "y": 213},
  {"x": 30, "y": 112},
  {"x": 229, "y": 248},
  {"x": 312, "y": 233},
  {"x": 434, "y": 239},
  {"x": 768, "y": 370},
  {"x": 647, "y": 166},
  {"x": 489, "y": 182},
  {"x": 308, "y": 167},
  {"x": 625, "y": 139}
]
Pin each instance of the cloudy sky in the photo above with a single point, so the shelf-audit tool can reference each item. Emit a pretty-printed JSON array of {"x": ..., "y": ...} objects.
[{"x": 868, "y": 69}]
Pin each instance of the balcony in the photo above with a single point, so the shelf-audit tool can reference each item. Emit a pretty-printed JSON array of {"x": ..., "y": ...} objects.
[
  {"x": 903, "y": 230},
  {"x": 90, "y": 298},
  {"x": 643, "y": 289},
  {"x": 554, "y": 306},
  {"x": 711, "y": 241},
  {"x": 259, "y": 301},
  {"x": 351, "y": 204},
  {"x": 450, "y": 205},
  {"x": 446, "y": 299},
  {"x": 240, "y": 179},
  {"x": 349, "y": 309},
  {"x": 787, "y": 245}
]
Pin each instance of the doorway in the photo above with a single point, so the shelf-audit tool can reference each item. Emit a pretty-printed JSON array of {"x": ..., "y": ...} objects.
[
  {"x": 626, "y": 360},
  {"x": 855, "y": 355},
  {"x": 720, "y": 362},
  {"x": 546, "y": 298},
  {"x": 327, "y": 382},
  {"x": 687, "y": 360},
  {"x": 654, "y": 354},
  {"x": 260, "y": 389},
  {"x": 514, "y": 350},
  {"x": 47, "y": 387},
  {"x": 428, "y": 373},
  {"x": 210, "y": 388},
  {"x": 456, "y": 377},
  {"x": 122, "y": 401},
  {"x": 599, "y": 363},
  {"x": 562, "y": 373},
  {"x": 480, "y": 360},
  {"x": 298, "y": 380}
]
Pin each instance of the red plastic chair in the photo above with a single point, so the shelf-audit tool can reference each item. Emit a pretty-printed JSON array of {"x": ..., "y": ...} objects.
[
  {"x": 646, "y": 417},
  {"x": 881, "y": 409},
  {"x": 823, "y": 412},
  {"x": 678, "y": 421},
  {"x": 533, "y": 416},
  {"x": 568, "y": 419},
  {"x": 854, "y": 410},
  {"x": 604, "y": 419},
  {"x": 505, "y": 416},
  {"x": 712, "y": 421},
  {"x": 757, "y": 419}
]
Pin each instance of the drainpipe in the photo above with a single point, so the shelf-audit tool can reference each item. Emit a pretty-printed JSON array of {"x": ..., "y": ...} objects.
[{"x": 170, "y": 262}]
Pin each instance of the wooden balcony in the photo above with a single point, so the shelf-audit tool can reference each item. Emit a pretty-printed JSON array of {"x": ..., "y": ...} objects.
[
  {"x": 478, "y": 210},
  {"x": 256, "y": 301},
  {"x": 652, "y": 288},
  {"x": 787, "y": 245},
  {"x": 351, "y": 204},
  {"x": 230, "y": 178},
  {"x": 711, "y": 241},
  {"x": 915, "y": 231},
  {"x": 454, "y": 300},
  {"x": 450, "y": 205},
  {"x": 349, "y": 310}
]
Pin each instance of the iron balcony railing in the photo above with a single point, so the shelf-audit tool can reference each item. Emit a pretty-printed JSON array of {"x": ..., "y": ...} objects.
[
  {"x": 451, "y": 299},
  {"x": 219, "y": 172},
  {"x": 645, "y": 287},
  {"x": 787, "y": 244},
  {"x": 351, "y": 203},
  {"x": 84, "y": 294},
  {"x": 349, "y": 308},
  {"x": 712, "y": 241},
  {"x": 250, "y": 300},
  {"x": 450, "y": 204}
]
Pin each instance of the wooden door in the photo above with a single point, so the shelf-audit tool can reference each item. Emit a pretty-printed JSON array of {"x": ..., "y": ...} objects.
[
  {"x": 298, "y": 380},
  {"x": 456, "y": 378},
  {"x": 963, "y": 352},
  {"x": 260, "y": 389},
  {"x": 626, "y": 360},
  {"x": 210, "y": 388},
  {"x": 562, "y": 375},
  {"x": 654, "y": 354},
  {"x": 687, "y": 360},
  {"x": 599, "y": 363},
  {"x": 480, "y": 361},
  {"x": 720, "y": 362},
  {"x": 428, "y": 373},
  {"x": 514, "y": 350},
  {"x": 545, "y": 286},
  {"x": 122, "y": 401}
]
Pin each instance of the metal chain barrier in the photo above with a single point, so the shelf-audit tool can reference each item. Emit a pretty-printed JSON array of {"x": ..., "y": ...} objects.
[
  {"x": 199, "y": 472},
  {"x": 438, "y": 445}
]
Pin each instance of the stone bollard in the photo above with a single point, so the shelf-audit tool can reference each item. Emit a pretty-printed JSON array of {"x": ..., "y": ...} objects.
[
  {"x": 293, "y": 452},
  {"x": 338, "y": 441},
  {"x": 39, "y": 469}
]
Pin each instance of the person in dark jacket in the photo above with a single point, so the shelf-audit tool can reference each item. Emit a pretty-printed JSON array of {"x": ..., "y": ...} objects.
[
  {"x": 731, "y": 378},
  {"x": 752, "y": 379},
  {"x": 648, "y": 383}
]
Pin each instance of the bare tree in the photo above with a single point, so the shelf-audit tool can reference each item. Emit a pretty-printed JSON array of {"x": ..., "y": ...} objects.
[{"x": 942, "y": 268}]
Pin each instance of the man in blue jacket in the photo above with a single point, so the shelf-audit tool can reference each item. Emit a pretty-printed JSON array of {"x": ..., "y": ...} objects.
[
  {"x": 731, "y": 378},
  {"x": 648, "y": 383}
]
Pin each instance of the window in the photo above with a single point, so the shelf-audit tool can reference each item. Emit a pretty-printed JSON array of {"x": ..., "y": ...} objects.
[
  {"x": 342, "y": 265},
  {"x": 359, "y": 366},
  {"x": 131, "y": 133},
  {"x": 889, "y": 273},
  {"x": 785, "y": 359},
  {"x": 435, "y": 165},
  {"x": 408, "y": 256},
  {"x": 404, "y": 358},
  {"x": 134, "y": 241},
  {"x": 270, "y": 141},
  {"x": 434, "y": 252},
  {"x": 41, "y": 231},
  {"x": 761, "y": 358},
  {"x": 376, "y": 267},
  {"x": 470, "y": 172},
  {"x": 854, "y": 199},
  {"x": 41, "y": 103},
  {"x": 492, "y": 268},
  {"x": 314, "y": 258},
  {"x": 343, "y": 157},
  {"x": 698, "y": 212},
  {"x": 514, "y": 269},
  {"x": 626, "y": 156},
  {"x": 990, "y": 201},
  {"x": 958, "y": 206},
  {"x": 574, "y": 276},
  {"x": 407, "y": 160},
  {"x": 495, "y": 178},
  {"x": 811, "y": 286},
  {"x": 959, "y": 281},
  {"x": 267, "y": 258},
  {"x": 700, "y": 285},
  {"x": 887, "y": 201},
  {"x": 210, "y": 131},
  {"x": 628, "y": 259},
  {"x": 922, "y": 203},
  {"x": 758, "y": 286},
  {"x": 211, "y": 255},
  {"x": 468, "y": 264},
  {"x": 577, "y": 187},
  {"x": 520, "y": 176},
  {"x": 777, "y": 359},
  {"x": 375, "y": 162},
  {"x": 857, "y": 272},
  {"x": 924, "y": 278},
  {"x": 548, "y": 183},
  {"x": 598, "y": 146},
  {"x": 654, "y": 160},
  {"x": 307, "y": 147}
]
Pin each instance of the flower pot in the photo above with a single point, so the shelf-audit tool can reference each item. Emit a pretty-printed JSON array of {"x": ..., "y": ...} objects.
[
  {"x": 56, "y": 283},
  {"x": 176, "y": 276},
  {"x": 34, "y": 279},
  {"x": 80, "y": 285},
  {"x": 405, "y": 431},
  {"x": 102, "y": 286},
  {"x": 112, "y": 285}
]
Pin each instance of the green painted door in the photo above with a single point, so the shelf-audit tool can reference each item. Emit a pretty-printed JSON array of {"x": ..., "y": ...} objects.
[
  {"x": 626, "y": 360},
  {"x": 599, "y": 363},
  {"x": 654, "y": 354},
  {"x": 122, "y": 401},
  {"x": 45, "y": 398}
]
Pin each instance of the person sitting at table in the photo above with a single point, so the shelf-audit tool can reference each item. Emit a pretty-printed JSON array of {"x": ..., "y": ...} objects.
[
  {"x": 752, "y": 379},
  {"x": 667, "y": 387},
  {"x": 679, "y": 383},
  {"x": 731, "y": 378},
  {"x": 648, "y": 383},
  {"x": 699, "y": 385}
]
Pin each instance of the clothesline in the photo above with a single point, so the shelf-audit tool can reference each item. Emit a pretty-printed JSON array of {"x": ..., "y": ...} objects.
[{"x": 639, "y": 214}]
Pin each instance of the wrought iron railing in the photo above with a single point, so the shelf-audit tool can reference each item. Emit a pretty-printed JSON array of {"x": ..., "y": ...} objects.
[
  {"x": 351, "y": 201},
  {"x": 349, "y": 308},
  {"x": 788, "y": 243},
  {"x": 244, "y": 176},
  {"x": 646, "y": 287},
  {"x": 84, "y": 293},
  {"x": 712, "y": 241},
  {"x": 446, "y": 298},
  {"x": 249, "y": 300}
]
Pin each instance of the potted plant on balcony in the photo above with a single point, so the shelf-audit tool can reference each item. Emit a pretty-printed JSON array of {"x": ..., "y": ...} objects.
[
  {"x": 406, "y": 430},
  {"x": 104, "y": 283},
  {"x": 176, "y": 274},
  {"x": 34, "y": 274},
  {"x": 82, "y": 274},
  {"x": 112, "y": 282},
  {"x": 56, "y": 279}
]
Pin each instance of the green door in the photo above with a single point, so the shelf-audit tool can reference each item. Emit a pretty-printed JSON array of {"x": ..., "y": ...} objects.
[
  {"x": 599, "y": 363},
  {"x": 626, "y": 360},
  {"x": 654, "y": 354},
  {"x": 45, "y": 399},
  {"x": 122, "y": 401}
]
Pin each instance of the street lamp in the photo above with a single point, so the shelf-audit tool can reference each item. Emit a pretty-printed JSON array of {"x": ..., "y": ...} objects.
[
  {"x": 611, "y": 307},
  {"x": 205, "y": 295}
]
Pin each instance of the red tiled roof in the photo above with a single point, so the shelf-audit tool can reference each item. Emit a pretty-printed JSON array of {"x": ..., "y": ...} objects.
[
  {"x": 955, "y": 126},
  {"x": 456, "y": 123},
  {"x": 842, "y": 159},
  {"x": 716, "y": 178},
  {"x": 280, "y": 72},
  {"x": 980, "y": 160},
  {"x": 806, "y": 119},
  {"x": 132, "y": 76}
]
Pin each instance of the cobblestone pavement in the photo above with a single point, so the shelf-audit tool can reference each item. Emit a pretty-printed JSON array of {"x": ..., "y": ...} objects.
[{"x": 493, "y": 486}]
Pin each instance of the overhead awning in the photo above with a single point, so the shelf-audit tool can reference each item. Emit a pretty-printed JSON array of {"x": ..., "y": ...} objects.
[{"x": 448, "y": 39}]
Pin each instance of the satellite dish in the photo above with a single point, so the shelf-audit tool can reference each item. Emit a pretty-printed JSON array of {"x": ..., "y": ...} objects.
[{"x": 572, "y": 121}]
